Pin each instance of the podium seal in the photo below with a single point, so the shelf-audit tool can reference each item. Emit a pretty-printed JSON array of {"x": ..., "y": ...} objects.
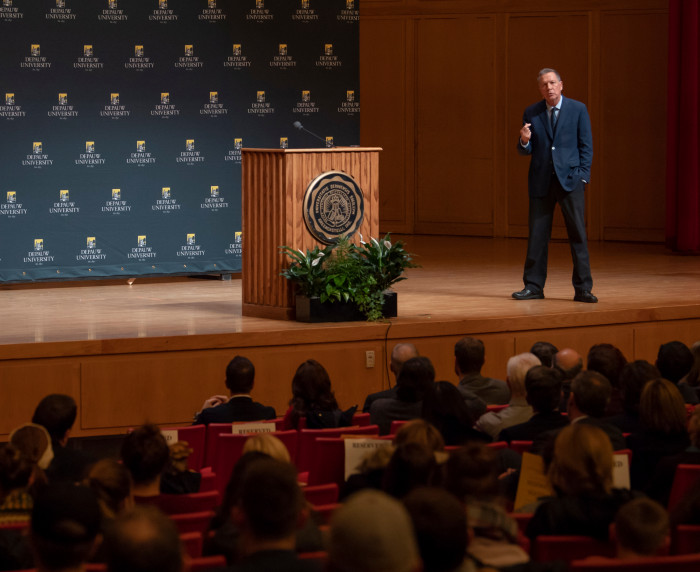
[{"x": 333, "y": 206}]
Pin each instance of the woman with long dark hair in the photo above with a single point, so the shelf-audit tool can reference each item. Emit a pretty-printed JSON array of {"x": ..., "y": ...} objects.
[{"x": 314, "y": 401}]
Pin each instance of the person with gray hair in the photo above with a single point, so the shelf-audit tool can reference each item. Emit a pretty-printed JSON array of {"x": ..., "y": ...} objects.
[
  {"x": 372, "y": 532},
  {"x": 556, "y": 134},
  {"x": 518, "y": 410}
]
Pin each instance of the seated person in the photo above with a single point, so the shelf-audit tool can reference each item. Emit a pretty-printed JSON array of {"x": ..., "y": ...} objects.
[
  {"x": 641, "y": 528},
  {"x": 444, "y": 408},
  {"x": 581, "y": 474},
  {"x": 518, "y": 410},
  {"x": 415, "y": 380},
  {"x": 372, "y": 532},
  {"x": 240, "y": 377},
  {"x": 469, "y": 359},
  {"x": 641, "y": 531},
  {"x": 399, "y": 355},
  {"x": 147, "y": 456},
  {"x": 313, "y": 399},
  {"x": 144, "y": 540},
  {"x": 269, "y": 510},
  {"x": 543, "y": 391},
  {"x": 57, "y": 413}
]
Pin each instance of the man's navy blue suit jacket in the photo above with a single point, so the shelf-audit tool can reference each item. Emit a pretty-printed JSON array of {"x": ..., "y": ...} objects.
[{"x": 570, "y": 150}]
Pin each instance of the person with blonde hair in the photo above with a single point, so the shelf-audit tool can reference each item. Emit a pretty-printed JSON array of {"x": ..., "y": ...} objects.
[
  {"x": 662, "y": 420},
  {"x": 422, "y": 432},
  {"x": 268, "y": 444},
  {"x": 581, "y": 475},
  {"x": 518, "y": 410}
]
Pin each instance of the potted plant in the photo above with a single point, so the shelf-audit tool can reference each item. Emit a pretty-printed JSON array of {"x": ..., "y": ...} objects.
[{"x": 344, "y": 281}]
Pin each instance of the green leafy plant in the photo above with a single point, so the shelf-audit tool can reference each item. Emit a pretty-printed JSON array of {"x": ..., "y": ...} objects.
[{"x": 346, "y": 272}]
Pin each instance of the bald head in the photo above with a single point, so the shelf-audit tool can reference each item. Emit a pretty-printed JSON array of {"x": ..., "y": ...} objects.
[
  {"x": 400, "y": 355},
  {"x": 567, "y": 358}
]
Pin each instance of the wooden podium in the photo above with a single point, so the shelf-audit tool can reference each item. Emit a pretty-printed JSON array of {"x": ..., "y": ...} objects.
[{"x": 273, "y": 185}]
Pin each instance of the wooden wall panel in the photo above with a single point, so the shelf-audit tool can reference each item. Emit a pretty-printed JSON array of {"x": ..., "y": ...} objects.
[
  {"x": 455, "y": 115},
  {"x": 631, "y": 162},
  {"x": 24, "y": 384},
  {"x": 115, "y": 392},
  {"x": 482, "y": 55},
  {"x": 385, "y": 120}
]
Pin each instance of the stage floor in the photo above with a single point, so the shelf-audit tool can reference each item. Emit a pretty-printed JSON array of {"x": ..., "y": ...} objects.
[
  {"x": 154, "y": 350},
  {"x": 460, "y": 280}
]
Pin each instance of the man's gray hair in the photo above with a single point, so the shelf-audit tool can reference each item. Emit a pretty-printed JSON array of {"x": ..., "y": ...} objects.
[{"x": 548, "y": 70}]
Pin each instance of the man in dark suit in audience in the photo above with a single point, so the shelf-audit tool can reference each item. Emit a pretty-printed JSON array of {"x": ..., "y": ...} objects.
[
  {"x": 469, "y": 359},
  {"x": 57, "y": 413},
  {"x": 240, "y": 377},
  {"x": 399, "y": 355},
  {"x": 543, "y": 390},
  {"x": 589, "y": 398}
]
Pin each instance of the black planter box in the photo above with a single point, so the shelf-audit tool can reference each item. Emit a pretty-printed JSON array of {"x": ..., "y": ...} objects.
[{"x": 313, "y": 311}]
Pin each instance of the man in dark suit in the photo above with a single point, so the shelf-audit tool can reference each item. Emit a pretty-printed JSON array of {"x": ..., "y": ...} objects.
[
  {"x": 240, "y": 376},
  {"x": 399, "y": 355},
  {"x": 556, "y": 133}
]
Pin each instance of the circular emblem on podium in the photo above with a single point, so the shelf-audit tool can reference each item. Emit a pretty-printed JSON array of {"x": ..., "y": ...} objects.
[{"x": 333, "y": 206}]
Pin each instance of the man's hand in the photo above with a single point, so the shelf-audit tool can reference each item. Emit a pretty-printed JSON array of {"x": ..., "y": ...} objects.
[
  {"x": 214, "y": 400},
  {"x": 525, "y": 134}
]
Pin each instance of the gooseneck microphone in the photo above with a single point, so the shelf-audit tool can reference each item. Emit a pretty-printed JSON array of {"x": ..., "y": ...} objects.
[{"x": 300, "y": 127}]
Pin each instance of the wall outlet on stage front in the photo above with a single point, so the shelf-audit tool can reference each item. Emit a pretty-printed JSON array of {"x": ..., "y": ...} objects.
[{"x": 369, "y": 359}]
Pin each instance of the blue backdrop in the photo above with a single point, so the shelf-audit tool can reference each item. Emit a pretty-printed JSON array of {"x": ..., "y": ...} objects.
[{"x": 121, "y": 124}]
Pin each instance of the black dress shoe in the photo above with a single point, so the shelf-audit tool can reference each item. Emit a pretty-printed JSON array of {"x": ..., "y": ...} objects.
[
  {"x": 527, "y": 294},
  {"x": 585, "y": 296}
]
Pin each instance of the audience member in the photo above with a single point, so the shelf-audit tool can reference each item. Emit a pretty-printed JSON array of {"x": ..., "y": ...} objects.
[
  {"x": 65, "y": 527},
  {"x": 444, "y": 409},
  {"x": 145, "y": 454},
  {"x": 675, "y": 360},
  {"x": 399, "y": 355},
  {"x": 269, "y": 510},
  {"x": 314, "y": 401},
  {"x": 372, "y": 532},
  {"x": 662, "y": 480},
  {"x": 440, "y": 524},
  {"x": 111, "y": 482},
  {"x": 518, "y": 410},
  {"x": 543, "y": 391},
  {"x": 693, "y": 377},
  {"x": 413, "y": 383},
  {"x": 155, "y": 472},
  {"x": 569, "y": 364},
  {"x": 641, "y": 529},
  {"x": 545, "y": 352},
  {"x": 608, "y": 361},
  {"x": 662, "y": 418},
  {"x": 15, "y": 477},
  {"x": 469, "y": 359},
  {"x": 240, "y": 378},
  {"x": 588, "y": 401},
  {"x": 471, "y": 474},
  {"x": 268, "y": 444},
  {"x": 633, "y": 378},
  {"x": 411, "y": 465},
  {"x": 34, "y": 444},
  {"x": 57, "y": 413},
  {"x": 224, "y": 535},
  {"x": 144, "y": 540},
  {"x": 581, "y": 474},
  {"x": 422, "y": 432}
]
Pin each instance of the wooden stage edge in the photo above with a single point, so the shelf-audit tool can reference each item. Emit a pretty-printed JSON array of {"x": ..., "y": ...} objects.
[{"x": 155, "y": 351}]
